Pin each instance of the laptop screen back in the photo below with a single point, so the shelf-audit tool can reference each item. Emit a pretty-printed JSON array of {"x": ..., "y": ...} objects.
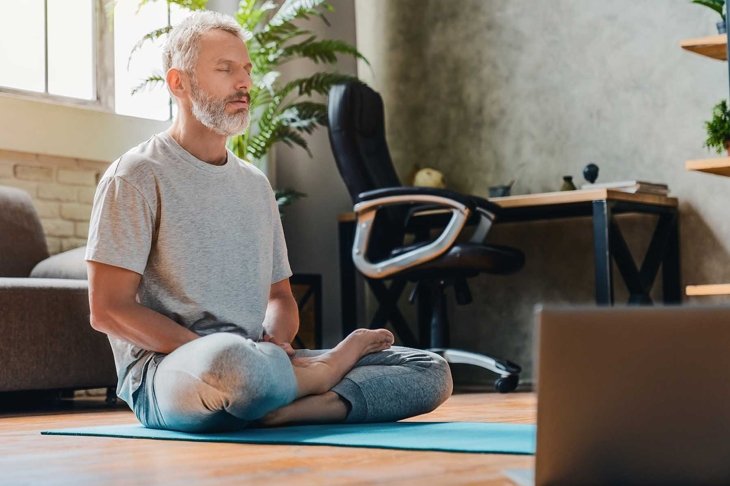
[{"x": 633, "y": 395}]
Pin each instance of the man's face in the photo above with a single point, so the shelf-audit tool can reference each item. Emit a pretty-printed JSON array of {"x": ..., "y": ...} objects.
[{"x": 221, "y": 82}]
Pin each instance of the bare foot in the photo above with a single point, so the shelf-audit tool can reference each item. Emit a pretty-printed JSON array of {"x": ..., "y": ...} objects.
[
  {"x": 319, "y": 374},
  {"x": 314, "y": 409}
]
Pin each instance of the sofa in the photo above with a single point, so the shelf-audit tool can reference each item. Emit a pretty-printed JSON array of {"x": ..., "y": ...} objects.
[{"x": 46, "y": 341}]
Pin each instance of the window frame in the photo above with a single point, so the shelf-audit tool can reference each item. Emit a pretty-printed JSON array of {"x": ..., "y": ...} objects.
[
  {"x": 71, "y": 127},
  {"x": 102, "y": 47}
]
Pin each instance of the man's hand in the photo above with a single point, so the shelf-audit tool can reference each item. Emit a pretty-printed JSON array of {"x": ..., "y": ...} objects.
[{"x": 285, "y": 346}]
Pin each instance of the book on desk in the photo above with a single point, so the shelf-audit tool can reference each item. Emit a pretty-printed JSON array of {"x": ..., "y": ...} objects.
[{"x": 633, "y": 187}]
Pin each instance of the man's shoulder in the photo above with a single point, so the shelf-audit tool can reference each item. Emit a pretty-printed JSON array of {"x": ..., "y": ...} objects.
[{"x": 139, "y": 164}]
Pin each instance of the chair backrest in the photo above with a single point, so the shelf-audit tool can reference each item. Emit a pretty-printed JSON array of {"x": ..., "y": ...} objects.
[
  {"x": 357, "y": 137},
  {"x": 22, "y": 242}
]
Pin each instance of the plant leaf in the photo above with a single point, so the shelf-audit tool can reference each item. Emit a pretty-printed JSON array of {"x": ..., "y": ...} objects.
[
  {"x": 304, "y": 116},
  {"x": 317, "y": 83},
  {"x": 285, "y": 197},
  {"x": 716, "y": 5},
  {"x": 291, "y": 138},
  {"x": 151, "y": 82},
  {"x": 251, "y": 14},
  {"x": 150, "y": 37},
  {"x": 321, "y": 51},
  {"x": 295, "y": 9}
]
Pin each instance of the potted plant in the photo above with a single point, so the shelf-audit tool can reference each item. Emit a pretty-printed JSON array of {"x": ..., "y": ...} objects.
[
  {"x": 718, "y": 128},
  {"x": 280, "y": 111},
  {"x": 718, "y": 6}
]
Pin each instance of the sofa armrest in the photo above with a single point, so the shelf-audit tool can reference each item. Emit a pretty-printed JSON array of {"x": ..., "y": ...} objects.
[{"x": 46, "y": 340}]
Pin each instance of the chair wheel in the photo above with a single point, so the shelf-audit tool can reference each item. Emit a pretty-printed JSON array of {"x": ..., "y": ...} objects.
[{"x": 506, "y": 384}]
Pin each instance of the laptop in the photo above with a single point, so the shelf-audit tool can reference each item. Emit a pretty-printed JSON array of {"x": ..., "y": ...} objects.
[{"x": 633, "y": 395}]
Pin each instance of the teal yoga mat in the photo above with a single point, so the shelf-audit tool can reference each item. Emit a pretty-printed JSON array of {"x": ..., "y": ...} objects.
[{"x": 474, "y": 437}]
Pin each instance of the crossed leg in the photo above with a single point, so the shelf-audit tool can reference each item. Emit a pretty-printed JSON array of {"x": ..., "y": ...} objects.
[
  {"x": 227, "y": 382},
  {"x": 386, "y": 386},
  {"x": 318, "y": 374}
]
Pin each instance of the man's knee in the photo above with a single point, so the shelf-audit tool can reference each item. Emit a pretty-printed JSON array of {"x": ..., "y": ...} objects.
[
  {"x": 226, "y": 360},
  {"x": 224, "y": 372},
  {"x": 235, "y": 365},
  {"x": 443, "y": 381}
]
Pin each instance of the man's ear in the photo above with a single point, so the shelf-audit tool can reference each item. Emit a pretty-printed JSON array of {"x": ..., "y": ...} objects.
[{"x": 175, "y": 82}]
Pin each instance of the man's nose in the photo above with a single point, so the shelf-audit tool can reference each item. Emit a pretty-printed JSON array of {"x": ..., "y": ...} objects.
[{"x": 244, "y": 81}]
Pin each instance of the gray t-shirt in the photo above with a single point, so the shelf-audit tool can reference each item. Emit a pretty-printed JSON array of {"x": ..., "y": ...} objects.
[{"x": 206, "y": 239}]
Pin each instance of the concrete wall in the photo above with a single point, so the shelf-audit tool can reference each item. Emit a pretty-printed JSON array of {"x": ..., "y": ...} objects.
[
  {"x": 311, "y": 223},
  {"x": 491, "y": 90}
]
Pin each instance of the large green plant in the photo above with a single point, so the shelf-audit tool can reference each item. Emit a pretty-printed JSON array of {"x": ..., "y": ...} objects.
[{"x": 280, "y": 111}]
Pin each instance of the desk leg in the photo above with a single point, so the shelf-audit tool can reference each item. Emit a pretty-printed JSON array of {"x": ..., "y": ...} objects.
[
  {"x": 671, "y": 276},
  {"x": 602, "y": 252},
  {"x": 348, "y": 292}
]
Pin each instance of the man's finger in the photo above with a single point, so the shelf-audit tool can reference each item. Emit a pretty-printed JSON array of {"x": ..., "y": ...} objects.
[{"x": 288, "y": 349}]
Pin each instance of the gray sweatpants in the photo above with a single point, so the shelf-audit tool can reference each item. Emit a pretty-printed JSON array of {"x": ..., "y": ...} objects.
[{"x": 224, "y": 382}]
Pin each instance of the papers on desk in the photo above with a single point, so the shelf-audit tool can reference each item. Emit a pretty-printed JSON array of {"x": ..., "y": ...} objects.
[{"x": 633, "y": 187}]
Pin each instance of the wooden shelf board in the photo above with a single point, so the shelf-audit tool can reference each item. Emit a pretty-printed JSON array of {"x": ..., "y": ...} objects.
[
  {"x": 713, "y": 46},
  {"x": 713, "y": 289},
  {"x": 719, "y": 166}
]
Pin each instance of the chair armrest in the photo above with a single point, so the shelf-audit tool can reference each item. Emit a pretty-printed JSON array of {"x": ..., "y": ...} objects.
[
  {"x": 390, "y": 192},
  {"x": 47, "y": 340},
  {"x": 430, "y": 213},
  {"x": 460, "y": 207}
]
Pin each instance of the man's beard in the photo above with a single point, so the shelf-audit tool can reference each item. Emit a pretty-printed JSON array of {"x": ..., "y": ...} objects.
[{"x": 211, "y": 111}]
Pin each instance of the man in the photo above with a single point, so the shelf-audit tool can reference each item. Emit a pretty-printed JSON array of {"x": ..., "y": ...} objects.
[{"x": 188, "y": 275}]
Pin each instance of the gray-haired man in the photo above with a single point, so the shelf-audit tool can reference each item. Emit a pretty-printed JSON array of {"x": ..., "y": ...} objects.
[{"x": 188, "y": 275}]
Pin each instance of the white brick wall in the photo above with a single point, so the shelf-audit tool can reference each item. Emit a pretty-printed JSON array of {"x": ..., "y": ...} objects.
[{"x": 62, "y": 190}]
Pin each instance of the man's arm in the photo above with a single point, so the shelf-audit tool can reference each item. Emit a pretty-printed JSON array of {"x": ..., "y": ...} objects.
[
  {"x": 115, "y": 311},
  {"x": 281, "y": 323}
]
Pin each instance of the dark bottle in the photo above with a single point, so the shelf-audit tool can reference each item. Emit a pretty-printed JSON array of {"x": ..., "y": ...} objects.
[{"x": 567, "y": 184}]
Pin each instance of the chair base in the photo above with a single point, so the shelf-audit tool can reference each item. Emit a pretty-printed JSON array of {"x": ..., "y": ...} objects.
[{"x": 508, "y": 372}]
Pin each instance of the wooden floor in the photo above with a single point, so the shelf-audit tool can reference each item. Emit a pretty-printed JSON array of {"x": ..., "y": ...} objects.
[{"x": 26, "y": 457}]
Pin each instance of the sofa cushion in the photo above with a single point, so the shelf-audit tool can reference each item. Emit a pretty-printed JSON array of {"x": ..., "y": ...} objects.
[
  {"x": 22, "y": 242},
  {"x": 69, "y": 264}
]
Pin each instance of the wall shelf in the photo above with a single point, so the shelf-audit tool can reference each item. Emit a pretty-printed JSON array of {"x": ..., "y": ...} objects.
[
  {"x": 711, "y": 289},
  {"x": 713, "y": 46},
  {"x": 718, "y": 166}
]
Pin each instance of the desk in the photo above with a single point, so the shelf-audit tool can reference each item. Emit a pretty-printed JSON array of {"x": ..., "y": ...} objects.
[{"x": 608, "y": 241}]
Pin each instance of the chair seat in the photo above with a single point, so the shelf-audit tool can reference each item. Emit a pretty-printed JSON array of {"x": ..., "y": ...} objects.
[{"x": 466, "y": 260}]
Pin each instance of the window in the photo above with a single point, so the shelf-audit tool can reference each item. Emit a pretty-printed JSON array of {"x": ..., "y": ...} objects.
[
  {"x": 47, "y": 46},
  {"x": 132, "y": 23},
  {"x": 61, "y": 49}
]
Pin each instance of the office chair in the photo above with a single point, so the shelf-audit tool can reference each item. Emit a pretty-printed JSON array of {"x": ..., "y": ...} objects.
[{"x": 394, "y": 228}]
